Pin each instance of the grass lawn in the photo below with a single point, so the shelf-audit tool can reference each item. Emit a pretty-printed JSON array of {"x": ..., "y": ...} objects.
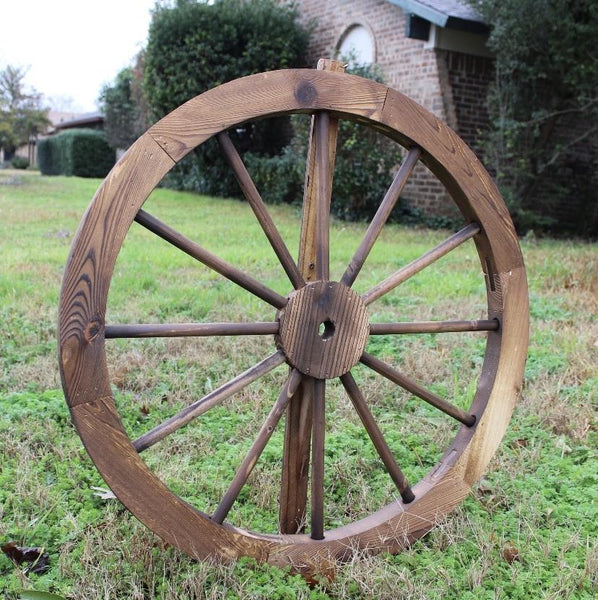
[{"x": 529, "y": 529}]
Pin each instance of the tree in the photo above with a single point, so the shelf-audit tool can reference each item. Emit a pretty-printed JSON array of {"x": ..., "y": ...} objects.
[
  {"x": 543, "y": 104},
  {"x": 21, "y": 113},
  {"x": 194, "y": 46},
  {"x": 125, "y": 107}
]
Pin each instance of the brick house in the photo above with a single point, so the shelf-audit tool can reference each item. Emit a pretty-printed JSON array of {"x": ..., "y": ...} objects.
[{"x": 433, "y": 51}]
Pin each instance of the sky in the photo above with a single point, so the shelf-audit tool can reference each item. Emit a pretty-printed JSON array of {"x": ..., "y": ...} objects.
[{"x": 71, "y": 48}]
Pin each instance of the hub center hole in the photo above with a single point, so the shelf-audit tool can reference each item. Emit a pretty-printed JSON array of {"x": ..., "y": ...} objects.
[{"x": 326, "y": 329}]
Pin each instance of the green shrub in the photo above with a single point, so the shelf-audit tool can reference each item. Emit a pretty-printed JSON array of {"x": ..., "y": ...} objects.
[
  {"x": 365, "y": 162},
  {"x": 193, "y": 47},
  {"x": 543, "y": 114},
  {"x": 124, "y": 107},
  {"x": 278, "y": 178},
  {"x": 19, "y": 162},
  {"x": 44, "y": 157},
  {"x": 79, "y": 152},
  {"x": 91, "y": 154}
]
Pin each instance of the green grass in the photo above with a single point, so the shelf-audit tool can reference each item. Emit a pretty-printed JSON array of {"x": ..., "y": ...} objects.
[{"x": 528, "y": 530}]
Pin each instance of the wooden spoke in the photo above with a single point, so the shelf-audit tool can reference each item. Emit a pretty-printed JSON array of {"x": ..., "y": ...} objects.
[
  {"x": 296, "y": 454},
  {"x": 139, "y": 330},
  {"x": 261, "y": 212},
  {"x": 317, "y": 460},
  {"x": 381, "y": 216},
  {"x": 298, "y": 423},
  {"x": 210, "y": 260},
  {"x": 420, "y": 263},
  {"x": 318, "y": 183},
  {"x": 434, "y": 326},
  {"x": 324, "y": 190},
  {"x": 417, "y": 390},
  {"x": 313, "y": 261},
  {"x": 257, "y": 448},
  {"x": 376, "y": 436},
  {"x": 210, "y": 400}
]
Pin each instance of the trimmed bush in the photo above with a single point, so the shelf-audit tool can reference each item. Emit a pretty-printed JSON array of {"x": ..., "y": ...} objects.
[
  {"x": 19, "y": 162},
  {"x": 44, "y": 157},
  {"x": 79, "y": 152}
]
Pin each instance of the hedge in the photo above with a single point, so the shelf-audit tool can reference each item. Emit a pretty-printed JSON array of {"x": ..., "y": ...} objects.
[{"x": 79, "y": 152}]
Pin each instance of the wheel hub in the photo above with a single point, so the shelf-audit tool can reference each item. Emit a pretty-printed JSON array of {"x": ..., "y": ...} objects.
[{"x": 324, "y": 329}]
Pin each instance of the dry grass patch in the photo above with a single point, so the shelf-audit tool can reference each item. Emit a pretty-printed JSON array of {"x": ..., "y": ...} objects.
[{"x": 538, "y": 501}]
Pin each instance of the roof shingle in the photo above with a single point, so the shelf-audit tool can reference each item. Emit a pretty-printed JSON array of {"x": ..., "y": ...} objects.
[{"x": 455, "y": 14}]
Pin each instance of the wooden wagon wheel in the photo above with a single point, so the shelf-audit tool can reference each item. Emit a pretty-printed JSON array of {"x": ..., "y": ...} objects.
[{"x": 320, "y": 329}]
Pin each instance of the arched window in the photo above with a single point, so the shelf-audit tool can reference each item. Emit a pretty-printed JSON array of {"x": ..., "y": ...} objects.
[{"x": 357, "y": 45}]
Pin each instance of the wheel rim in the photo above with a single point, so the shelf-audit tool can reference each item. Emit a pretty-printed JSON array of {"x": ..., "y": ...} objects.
[{"x": 82, "y": 328}]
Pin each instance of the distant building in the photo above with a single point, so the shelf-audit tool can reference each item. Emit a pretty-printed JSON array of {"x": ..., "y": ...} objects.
[{"x": 60, "y": 120}]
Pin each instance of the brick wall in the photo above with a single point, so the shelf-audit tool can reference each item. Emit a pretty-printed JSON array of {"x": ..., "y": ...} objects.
[
  {"x": 468, "y": 78},
  {"x": 408, "y": 66}
]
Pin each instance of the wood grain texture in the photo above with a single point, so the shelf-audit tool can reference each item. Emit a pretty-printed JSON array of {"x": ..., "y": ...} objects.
[
  {"x": 317, "y": 460},
  {"x": 509, "y": 374},
  {"x": 324, "y": 329},
  {"x": 272, "y": 93},
  {"x": 296, "y": 457},
  {"x": 434, "y": 326},
  {"x": 315, "y": 214},
  {"x": 316, "y": 196},
  {"x": 91, "y": 263},
  {"x": 144, "y": 330},
  {"x": 97, "y": 423}
]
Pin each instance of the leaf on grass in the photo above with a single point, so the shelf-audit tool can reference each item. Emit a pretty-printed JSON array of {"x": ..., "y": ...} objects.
[
  {"x": 33, "y": 595},
  {"x": 484, "y": 489},
  {"x": 562, "y": 445},
  {"x": 36, "y": 560},
  {"x": 510, "y": 553},
  {"x": 103, "y": 493},
  {"x": 520, "y": 443},
  {"x": 318, "y": 580}
]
